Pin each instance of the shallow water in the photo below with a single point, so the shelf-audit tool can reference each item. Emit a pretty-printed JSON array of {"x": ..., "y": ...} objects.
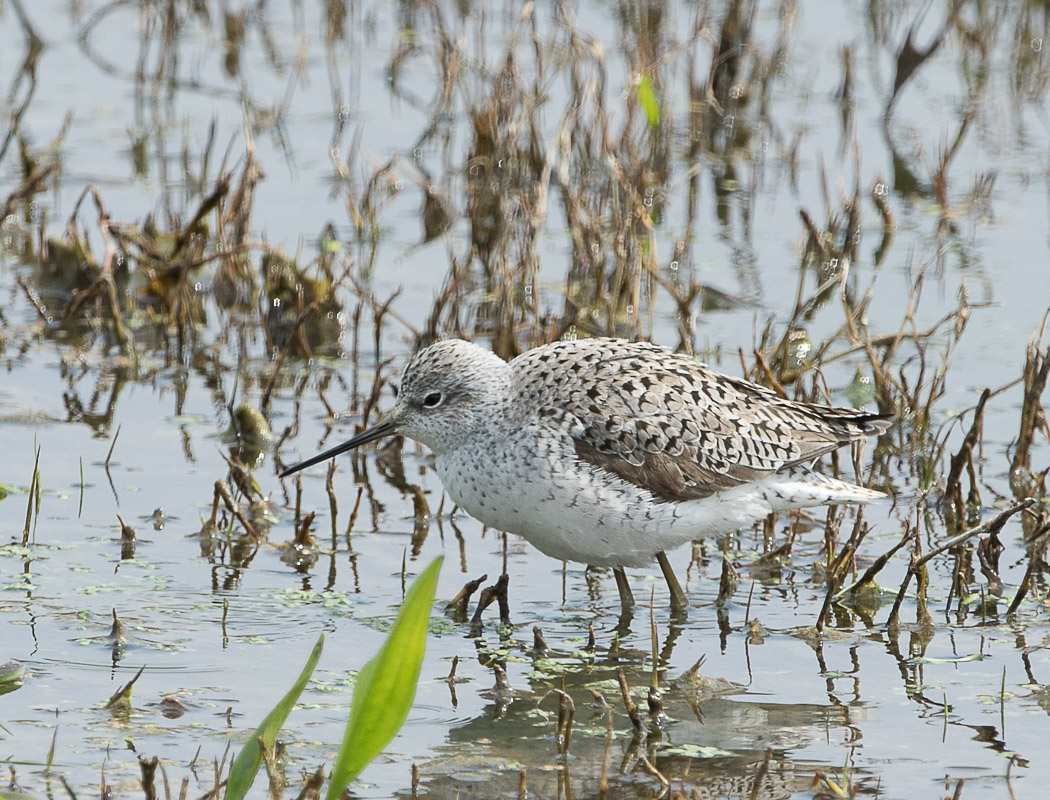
[{"x": 223, "y": 629}]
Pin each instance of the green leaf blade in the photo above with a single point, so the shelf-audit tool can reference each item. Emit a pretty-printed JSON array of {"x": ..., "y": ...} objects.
[
  {"x": 248, "y": 761},
  {"x": 648, "y": 100},
  {"x": 386, "y": 685}
]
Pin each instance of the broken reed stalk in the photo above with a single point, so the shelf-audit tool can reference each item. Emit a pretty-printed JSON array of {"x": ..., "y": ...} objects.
[
  {"x": 148, "y": 771},
  {"x": 760, "y": 776},
  {"x": 963, "y": 459},
  {"x": 918, "y": 563},
  {"x": 654, "y": 681},
  {"x": 123, "y": 694},
  {"x": 80, "y": 504},
  {"x": 654, "y": 771},
  {"x": 450, "y": 681},
  {"x": 298, "y": 497},
  {"x": 603, "y": 777},
  {"x": 112, "y": 445},
  {"x": 988, "y": 551},
  {"x": 879, "y": 563},
  {"x": 1036, "y": 553},
  {"x": 994, "y": 525},
  {"x": 462, "y": 599},
  {"x": 235, "y": 508},
  {"x": 421, "y": 517},
  {"x": 1036, "y": 372},
  {"x": 566, "y": 715},
  {"x": 839, "y": 566},
  {"x": 632, "y": 709},
  {"x": 495, "y": 592},
  {"x": 312, "y": 787},
  {"x": 34, "y": 486},
  {"x": 540, "y": 649},
  {"x": 353, "y": 517},
  {"x": 271, "y": 755},
  {"x": 333, "y": 505},
  {"x": 726, "y": 584}
]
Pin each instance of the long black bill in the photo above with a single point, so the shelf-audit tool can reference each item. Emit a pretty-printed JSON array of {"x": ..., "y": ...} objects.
[{"x": 370, "y": 435}]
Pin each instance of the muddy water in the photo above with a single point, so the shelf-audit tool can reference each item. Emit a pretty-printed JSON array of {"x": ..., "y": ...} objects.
[{"x": 344, "y": 109}]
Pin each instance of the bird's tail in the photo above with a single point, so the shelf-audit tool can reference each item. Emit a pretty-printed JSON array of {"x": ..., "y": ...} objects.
[{"x": 800, "y": 486}]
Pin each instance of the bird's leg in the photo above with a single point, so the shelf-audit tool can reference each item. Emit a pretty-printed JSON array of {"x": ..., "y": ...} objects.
[
  {"x": 679, "y": 601},
  {"x": 624, "y": 589}
]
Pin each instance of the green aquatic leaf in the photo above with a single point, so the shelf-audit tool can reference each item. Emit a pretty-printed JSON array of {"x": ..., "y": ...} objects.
[
  {"x": 246, "y": 765},
  {"x": 386, "y": 685},
  {"x": 648, "y": 100},
  {"x": 10, "y": 676},
  {"x": 948, "y": 659},
  {"x": 694, "y": 751}
]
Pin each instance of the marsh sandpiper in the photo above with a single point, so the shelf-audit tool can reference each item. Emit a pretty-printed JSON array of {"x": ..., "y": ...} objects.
[{"x": 610, "y": 452}]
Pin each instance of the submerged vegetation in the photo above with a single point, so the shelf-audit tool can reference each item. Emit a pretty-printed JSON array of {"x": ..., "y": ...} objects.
[{"x": 564, "y": 171}]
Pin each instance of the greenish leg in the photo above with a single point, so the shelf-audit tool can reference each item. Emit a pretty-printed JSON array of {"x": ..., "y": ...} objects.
[
  {"x": 679, "y": 601},
  {"x": 624, "y": 588}
]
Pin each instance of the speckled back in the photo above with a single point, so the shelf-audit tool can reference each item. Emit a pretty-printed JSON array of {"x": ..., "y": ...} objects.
[{"x": 668, "y": 423}]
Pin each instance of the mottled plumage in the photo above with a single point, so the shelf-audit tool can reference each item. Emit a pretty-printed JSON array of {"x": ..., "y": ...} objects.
[
  {"x": 610, "y": 452},
  {"x": 668, "y": 424}
]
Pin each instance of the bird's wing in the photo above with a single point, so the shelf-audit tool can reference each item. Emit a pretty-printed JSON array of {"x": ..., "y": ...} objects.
[{"x": 671, "y": 425}]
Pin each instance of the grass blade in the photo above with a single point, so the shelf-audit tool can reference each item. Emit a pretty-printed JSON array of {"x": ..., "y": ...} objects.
[
  {"x": 246, "y": 765},
  {"x": 649, "y": 102},
  {"x": 386, "y": 685}
]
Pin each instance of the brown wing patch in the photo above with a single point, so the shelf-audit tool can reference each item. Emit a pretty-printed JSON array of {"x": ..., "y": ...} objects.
[{"x": 669, "y": 479}]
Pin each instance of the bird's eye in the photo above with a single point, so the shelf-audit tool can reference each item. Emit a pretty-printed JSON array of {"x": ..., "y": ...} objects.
[
  {"x": 431, "y": 400},
  {"x": 394, "y": 389}
]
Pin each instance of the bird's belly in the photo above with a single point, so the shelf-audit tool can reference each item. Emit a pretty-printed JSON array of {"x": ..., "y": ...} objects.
[
  {"x": 573, "y": 511},
  {"x": 570, "y": 512}
]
